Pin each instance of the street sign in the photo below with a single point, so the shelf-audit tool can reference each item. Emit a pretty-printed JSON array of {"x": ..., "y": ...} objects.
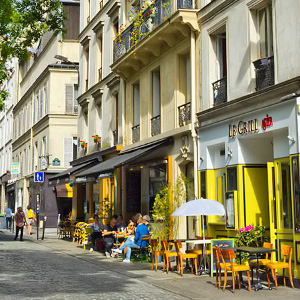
[
  {"x": 55, "y": 162},
  {"x": 38, "y": 176},
  {"x": 15, "y": 168},
  {"x": 44, "y": 162}
]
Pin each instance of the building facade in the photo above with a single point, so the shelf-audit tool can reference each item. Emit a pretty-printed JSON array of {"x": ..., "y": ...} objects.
[
  {"x": 45, "y": 117},
  {"x": 248, "y": 123},
  {"x": 6, "y": 136}
]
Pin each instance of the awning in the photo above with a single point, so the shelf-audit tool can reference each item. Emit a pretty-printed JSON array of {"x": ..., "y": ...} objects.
[
  {"x": 57, "y": 179},
  {"x": 64, "y": 191},
  {"x": 121, "y": 159}
]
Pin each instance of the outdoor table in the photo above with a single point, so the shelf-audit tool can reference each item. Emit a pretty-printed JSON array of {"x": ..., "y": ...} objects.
[{"x": 257, "y": 251}]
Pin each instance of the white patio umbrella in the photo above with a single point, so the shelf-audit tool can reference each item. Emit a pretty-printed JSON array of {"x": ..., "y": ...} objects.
[{"x": 200, "y": 207}]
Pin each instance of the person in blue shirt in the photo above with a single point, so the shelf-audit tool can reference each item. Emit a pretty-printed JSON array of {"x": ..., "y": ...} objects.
[
  {"x": 8, "y": 216},
  {"x": 136, "y": 242}
]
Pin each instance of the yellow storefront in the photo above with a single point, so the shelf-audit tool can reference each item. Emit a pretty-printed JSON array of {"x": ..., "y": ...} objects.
[{"x": 250, "y": 163}]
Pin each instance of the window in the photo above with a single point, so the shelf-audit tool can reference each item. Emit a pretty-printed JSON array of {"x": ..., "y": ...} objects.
[
  {"x": 232, "y": 179},
  {"x": 221, "y": 62},
  {"x": 86, "y": 57},
  {"x": 68, "y": 151},
  {"x": 46, "y": 100},
  {"x": 115, "y": 26},
  {"x": 265, "y": 31},
  {"x": 41, "y": 103},
  {"x": 136, "y": 104},
  {"x": 37, "y": 107},
  {"x": 75, "y": 148},
  {"x": 156, "y": 93},
  {"x": 296, "y": 191},
  {"x": 100, "y": 53},
  {"x": 71, "y": 94}
]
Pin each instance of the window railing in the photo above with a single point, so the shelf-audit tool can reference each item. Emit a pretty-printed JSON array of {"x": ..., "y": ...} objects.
[
  {"x": 184, "y": 113},
  {"x": 115, "y": 136},
  {"x": 135, "y": 133},
  {"x": 151, "y": 17},
  {"x": 264, "y": 70},
  {"x": 220, "y": 91},
  {"x": 155, "y": 125}
]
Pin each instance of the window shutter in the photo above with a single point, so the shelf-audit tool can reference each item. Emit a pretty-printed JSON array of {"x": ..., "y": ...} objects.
[
  {"x": 69, "y": 99},
  {"x": 68, "y": 151}
]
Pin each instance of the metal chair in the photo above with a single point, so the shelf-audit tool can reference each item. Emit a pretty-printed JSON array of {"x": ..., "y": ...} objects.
[{"x": 155, "y": 253}]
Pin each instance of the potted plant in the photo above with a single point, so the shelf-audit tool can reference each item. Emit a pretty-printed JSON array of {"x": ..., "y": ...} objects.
[
  {"x": 83, "y": 144},
  {"x": 97, "y": 138},
  {"x": 251, "y": 236}
]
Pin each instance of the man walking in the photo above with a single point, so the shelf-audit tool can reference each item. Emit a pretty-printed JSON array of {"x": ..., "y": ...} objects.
[
  {"x": 8, "y": 217},
  {"x": 20, "y": 222}
]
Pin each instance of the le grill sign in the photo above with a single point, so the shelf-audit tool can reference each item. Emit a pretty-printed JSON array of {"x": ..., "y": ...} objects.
[{"x": 250, "y": 126}]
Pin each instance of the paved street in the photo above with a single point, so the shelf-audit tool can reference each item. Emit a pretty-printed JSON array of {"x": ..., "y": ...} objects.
[{"x": 58, "y": 269}]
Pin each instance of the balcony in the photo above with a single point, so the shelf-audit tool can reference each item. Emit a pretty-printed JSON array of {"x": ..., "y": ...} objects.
[
  {"x": 264, "y": 70},
  {"x": 135, "y": 133},
  {"x": 220, "y": 91},
  {"x": 168, "y": 21},
  {"x": 115, "y": 136},
  {"x": 184, "y": 113},
  {"x": 155, "y": 125}
]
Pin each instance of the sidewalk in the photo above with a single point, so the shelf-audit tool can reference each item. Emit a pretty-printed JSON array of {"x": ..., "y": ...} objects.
[{"x": 188, "y": 286}]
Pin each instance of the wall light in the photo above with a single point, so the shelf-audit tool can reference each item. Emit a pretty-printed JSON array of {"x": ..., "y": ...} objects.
[
  {"x": 229, "y": 152},
  {"x": 291, "y": 139}
]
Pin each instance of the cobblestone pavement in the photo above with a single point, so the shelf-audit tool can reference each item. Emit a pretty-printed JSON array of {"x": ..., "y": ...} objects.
[{"x": 57, "y": 269}]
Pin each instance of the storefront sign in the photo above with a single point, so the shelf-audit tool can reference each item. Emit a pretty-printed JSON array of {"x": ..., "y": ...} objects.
[
  {"x": 243, "y": 128},
  {"x": 15, "y": 168},
  {"x": 266, "y": 122},
  {"x": 56, "y": 162}
]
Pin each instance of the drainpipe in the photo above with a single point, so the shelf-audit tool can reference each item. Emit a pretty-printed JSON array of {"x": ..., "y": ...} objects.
[{"x": 193, "y": 118}]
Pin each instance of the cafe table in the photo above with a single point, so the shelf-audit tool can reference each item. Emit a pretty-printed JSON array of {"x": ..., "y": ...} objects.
[{"x": 257, "y": 251}]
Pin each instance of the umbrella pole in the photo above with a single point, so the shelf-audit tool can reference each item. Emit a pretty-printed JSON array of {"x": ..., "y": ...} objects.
[{"x": 204, "y": 258}]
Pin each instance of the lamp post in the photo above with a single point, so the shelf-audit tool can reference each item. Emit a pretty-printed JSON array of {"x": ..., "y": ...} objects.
[{"x": 65, "y": 59}]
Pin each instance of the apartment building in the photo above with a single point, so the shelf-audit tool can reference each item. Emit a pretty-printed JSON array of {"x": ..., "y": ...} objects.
[
  {"x": 45, "y": 118},
  {"x": 248, "y": 123},
  {"x": 7, "y": 197}
]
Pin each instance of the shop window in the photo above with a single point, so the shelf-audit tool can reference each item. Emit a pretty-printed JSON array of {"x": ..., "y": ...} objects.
[
  {"x": 296, "y": 192},
  {"x": 230, "y": 210},
  {"x": 220, "y": 192},
  {"x": 231, "y": 179},
  {"x": 286, "y": 196}
]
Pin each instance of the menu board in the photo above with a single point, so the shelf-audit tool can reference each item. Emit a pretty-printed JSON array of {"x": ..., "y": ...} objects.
[{"x": 225, "y": 243}]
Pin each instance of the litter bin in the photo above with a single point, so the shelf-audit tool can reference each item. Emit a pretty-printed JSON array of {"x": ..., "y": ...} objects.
[{"x": 2, "y": 221}]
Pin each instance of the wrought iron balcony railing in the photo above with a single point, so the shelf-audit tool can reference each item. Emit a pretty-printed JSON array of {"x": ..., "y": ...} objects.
[
  {"x": 155, "y": 125},
  {"x": 184, "y": 113},
  {"x": 135, "y": 133},
  {"x": 115, "y": 135},
  {"x": 264, "y": 70},
  {"x": 220, "y": 91},
  {"x": 145, "y": 22}
]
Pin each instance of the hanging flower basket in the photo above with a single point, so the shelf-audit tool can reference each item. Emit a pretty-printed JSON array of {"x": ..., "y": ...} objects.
[
  {"x": 83, "y": 144},
  {"x": 97, "y": 138}
]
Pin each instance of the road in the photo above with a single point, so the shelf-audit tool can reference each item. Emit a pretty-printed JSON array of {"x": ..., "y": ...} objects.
[{"x": 56, "y": 269}]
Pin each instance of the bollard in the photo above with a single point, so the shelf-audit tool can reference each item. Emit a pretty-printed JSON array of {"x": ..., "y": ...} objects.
[
  {"x": 44, "y": 226},
  {"x": 37, "y": 225},
  {"x": 12, "y": 228}
]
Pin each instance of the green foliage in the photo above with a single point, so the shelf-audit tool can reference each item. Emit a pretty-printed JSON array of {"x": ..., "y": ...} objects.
[
  {"x": 23, "y": 23},
  {"x": 166, "y": 202},
  {"x": 252, "y": 236}
]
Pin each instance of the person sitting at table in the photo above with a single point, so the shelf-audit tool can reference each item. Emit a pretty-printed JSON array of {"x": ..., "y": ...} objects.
[
  {"x": 135, "y": 242},
  {"x": 109, "y": 235},
  {"x": 97, "y": 233}
]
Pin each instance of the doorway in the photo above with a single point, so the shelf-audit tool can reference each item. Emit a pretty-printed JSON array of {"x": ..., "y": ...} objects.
[{"x": 133, "y": 192}]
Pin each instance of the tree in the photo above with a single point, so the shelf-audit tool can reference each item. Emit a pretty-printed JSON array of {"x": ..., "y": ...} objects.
[{"x": 23, "y": 23}]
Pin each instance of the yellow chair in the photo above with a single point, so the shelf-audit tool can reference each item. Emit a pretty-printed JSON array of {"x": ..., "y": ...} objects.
[
  {"x": 262, "y": 262},
  {"x": 286, "y": 251},
  {"x": 167, "y": 255},
  {"x": 155, "y": 253},
  {"x": 181, "y": 256},
  {"x": 234, "y": 268},
  {"x": 87, "y": 231}
]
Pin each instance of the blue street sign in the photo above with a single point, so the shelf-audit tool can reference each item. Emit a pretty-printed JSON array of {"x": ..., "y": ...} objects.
[{"x": 38, "y": 176}]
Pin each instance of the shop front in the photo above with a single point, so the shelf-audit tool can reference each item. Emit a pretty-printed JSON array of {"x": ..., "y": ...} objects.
[{"x": 250, "y": 163}]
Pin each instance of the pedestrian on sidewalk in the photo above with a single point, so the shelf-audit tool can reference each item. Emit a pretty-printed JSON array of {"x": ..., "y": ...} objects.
[
  {"x": 20, "y": 222},
  {"x": 31, "y": 219},
  {"x": 8, "y": 217}
]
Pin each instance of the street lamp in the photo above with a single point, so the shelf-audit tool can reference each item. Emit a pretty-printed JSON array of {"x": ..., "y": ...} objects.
[{"x": 65, "y": 59}]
